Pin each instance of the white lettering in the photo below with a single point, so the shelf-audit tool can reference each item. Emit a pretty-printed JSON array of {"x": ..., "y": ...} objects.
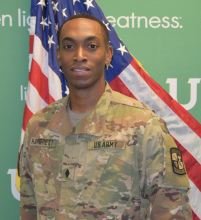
[
  {"x": 193, "y": 93},
  {"x": 21, "y": 87},
  {"x": 172, "y": 87},
  {"x": 154, "y": 20},
  {"x": 24, "y": 19},
  {"x": 164, "y": 19},
  {"x": 23, "y": 93},
  {"x": 19, "y": 17},
  {"x": 14, "y": 190},
  {"x": 127, "y": 22},
  {"x": 3, "y": 19},
  {"x": 111, "y": 19},
  {"x": 145, "y": 20},
  {"x": 133, "y": 20},
  {"x": 28, "y": 20},
  {"x": 176, "y": 22}
]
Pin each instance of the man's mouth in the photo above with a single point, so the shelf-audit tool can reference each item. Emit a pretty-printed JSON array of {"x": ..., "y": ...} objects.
[{"x": 80, "y": 71}]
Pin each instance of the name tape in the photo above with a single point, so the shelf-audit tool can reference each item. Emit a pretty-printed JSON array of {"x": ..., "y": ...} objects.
[
  {"x": 106, "y": 145},
  {"x": 43, "y": 142}
]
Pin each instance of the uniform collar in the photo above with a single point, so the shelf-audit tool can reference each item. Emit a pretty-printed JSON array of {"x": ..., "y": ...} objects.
[{"x": 93, "y": 124}]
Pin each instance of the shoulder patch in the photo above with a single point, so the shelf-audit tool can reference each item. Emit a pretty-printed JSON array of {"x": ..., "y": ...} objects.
[{"x": 177, "y": 162}]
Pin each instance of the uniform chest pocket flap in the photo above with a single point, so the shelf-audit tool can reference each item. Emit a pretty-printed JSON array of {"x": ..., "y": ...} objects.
[
  {"x": 44, "y": 180},
  {"x": 109, "y": 184}
]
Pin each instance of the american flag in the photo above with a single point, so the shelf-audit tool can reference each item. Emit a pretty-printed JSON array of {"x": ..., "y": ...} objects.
[{"x": 47, "y": 84}]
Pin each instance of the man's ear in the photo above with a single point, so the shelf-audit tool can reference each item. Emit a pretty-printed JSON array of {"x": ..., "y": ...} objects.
[
  {"x": 58, "y": 55},
  {"x": 109, "y": 54}
]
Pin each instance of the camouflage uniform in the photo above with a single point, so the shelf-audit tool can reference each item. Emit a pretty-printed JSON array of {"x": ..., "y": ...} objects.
[{"x": 111, "y": 165}]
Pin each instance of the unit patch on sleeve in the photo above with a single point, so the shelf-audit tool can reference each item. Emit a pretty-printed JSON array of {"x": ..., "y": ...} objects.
[{"x": 177, "y": 162}]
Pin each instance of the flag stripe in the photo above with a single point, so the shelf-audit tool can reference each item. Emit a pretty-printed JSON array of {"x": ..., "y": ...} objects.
[
  {"x": 32, "y": 94},
  {"x": 31, "y": 40},
  {"x": 54, "y": 85},
  {"x": 32, "y": 25},
  {"x": 40, "y": 82},
  {"x": 195, "y": 198},
  {"x": 195, "y": 217},
  {"x": 117, "y": 85},
  {"x": 40, "y": 55},
  {"x": 27, "y": 115},
  {"x": 175, "y": 106}
]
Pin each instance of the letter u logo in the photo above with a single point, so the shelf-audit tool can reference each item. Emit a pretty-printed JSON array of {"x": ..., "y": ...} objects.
[
  {"x": 193, "y": 84},
  {"x": 14, "y": 190}
]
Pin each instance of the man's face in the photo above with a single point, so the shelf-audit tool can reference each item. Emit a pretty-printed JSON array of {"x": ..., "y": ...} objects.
[{"x": 83, "y": 53}]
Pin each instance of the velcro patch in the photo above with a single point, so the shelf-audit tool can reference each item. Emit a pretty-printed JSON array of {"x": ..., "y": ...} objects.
[
  {"x": 43, "y": 142},
  {"x": 177, "y": 162},
  {"x": 94, "y": 145}
]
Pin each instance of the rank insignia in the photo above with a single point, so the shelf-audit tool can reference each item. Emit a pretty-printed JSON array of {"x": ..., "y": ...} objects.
[{"x": 177, "y": 162}]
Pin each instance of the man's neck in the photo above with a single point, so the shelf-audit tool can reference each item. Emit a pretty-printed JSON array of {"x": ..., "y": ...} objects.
[{"x": 85, "y": 100}]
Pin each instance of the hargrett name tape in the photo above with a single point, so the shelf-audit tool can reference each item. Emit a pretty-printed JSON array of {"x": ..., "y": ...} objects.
[
  {"x": 43, "y": 142},
  {"x": 93, "y": 145}
]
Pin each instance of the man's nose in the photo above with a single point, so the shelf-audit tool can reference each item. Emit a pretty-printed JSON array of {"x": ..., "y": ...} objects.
[{"x": 80, "y": 55}]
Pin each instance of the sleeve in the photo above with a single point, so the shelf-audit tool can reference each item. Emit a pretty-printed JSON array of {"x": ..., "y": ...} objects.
[
  {"x": 163, "y": 178},
  {"x": 28, "y": 210}
]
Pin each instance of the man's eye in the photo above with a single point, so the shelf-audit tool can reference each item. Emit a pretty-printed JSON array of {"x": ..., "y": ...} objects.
[
  {"x": 68, "y": 46},
  {"x": 93, "y": 46}
]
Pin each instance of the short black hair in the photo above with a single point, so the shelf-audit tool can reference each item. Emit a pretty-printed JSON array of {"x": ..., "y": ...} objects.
[{"x": 87, "y": 16}]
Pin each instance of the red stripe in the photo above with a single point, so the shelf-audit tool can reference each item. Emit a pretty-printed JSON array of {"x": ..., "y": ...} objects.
[
  {"x": 31, "y": 40},
  {"x": 27, "y": 115},
  {"x": 117, "y": 85},
  {"x": 40, "y": 82},
  {"x": 195, "y": 217},
  {"x": 175, "y": 106}
]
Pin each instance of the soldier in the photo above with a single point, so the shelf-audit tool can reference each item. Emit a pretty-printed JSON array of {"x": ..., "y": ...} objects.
[{"x": 97, "y": 154}]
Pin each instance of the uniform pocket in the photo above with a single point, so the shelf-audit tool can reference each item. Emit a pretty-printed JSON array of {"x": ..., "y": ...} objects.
[
  {"x": 48, "y": 174},
  {"x": 44, "y": 184},
  {"x": 109, "y": 185}
]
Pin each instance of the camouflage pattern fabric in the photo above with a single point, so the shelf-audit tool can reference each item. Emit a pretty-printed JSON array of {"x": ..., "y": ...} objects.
[{"x": 114, "y": 164}]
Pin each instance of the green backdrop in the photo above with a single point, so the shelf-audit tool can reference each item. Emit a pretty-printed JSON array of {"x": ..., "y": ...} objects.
[{"x": 163, "y": 35}]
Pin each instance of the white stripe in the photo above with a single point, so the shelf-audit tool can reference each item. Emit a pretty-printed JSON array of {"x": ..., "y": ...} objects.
[
  {"x": 54, "y": 85},
  {"x": 32, "y": 25},
  {"x": 30, "y": 61},
  {"x": 40, "y": 55},
  {"x": 195, "y": 198},
  {"x": 34, "y": 101},
  {"x": 22, "y": 138},
  {"x": 178, "y": 129}
]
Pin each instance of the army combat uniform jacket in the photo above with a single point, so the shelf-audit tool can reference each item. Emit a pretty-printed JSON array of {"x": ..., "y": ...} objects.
[{"x": 119, "y": 162}]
